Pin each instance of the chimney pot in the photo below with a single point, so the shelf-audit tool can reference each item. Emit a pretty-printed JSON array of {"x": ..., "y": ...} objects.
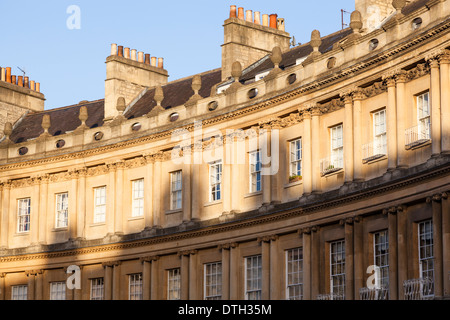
[
  {"x": 38, "y": 87},
  {"x": 133, "y": 54},
  {"x": 273, "y": 21},
  {"x": 249, "y": 16},
  {"x": 26, "y": 82},
  {"x": 8, "y": 74},
  {"x": 114, "y": 49},
  {"x": 241, "y": 13},
  {"x": 161, "y": 63},
  {"x": 153, "y": 62},
  {"x": 32, "y": 85},
  {"x": 147, "y": 58},
  {"x": 2, "y": 74},
  {"x": 141, "y": 56},
  {"x": 233, "y": 13},
  {"x": 13, "y": 79},
  {"x": 120, "y": 52},
  {"x": 127, "y": 53},
  {"x": 280, "y": 24},
  {"x": 20, "y": 81},
  {"x": 257, "y": 17},
  {"x": 265, "y": 20}
]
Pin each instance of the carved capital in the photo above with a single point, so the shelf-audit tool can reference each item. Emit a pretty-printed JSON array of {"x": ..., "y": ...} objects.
[
  {"x": 228, "y": 246},
  {"x": 267, "y": 239}
]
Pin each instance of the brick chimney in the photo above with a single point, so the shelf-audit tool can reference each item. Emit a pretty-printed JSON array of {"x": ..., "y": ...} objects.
[
  {"x": 18, "y": 95},
  {"x": 249, "y": 38},
  {"x": 128, "y": 73}
]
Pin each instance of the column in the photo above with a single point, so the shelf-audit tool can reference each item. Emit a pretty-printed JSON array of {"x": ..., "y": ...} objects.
[
  {"x": 154, "y": 279},
  {"x": 436, "y": 205},
  {"x": 446, "y": 242},
  {"x": 73, "y": 227},
  {"x": 43, "y": 199},
  {"x": 393, "y": 256},
  {"x": 445, "y": 100},
  {"x": 31, "y": 284},
  {"x": 315, "y": 148},
  {"x": 226, "y": 179},
  {"x": 2, "y": 286},
  {"x": 315, "y": 263},
  {"x": 146, "y": 277},
  {"x": 401, "y": 120},
  {"x": 349, "y": 263},
  {"x": 236, "y": 167},
  {"x": 196, "y": 206},
  {"x": 111, "y": 199},
  {"x": 234, "y": 272},
  {"x": 358, "y": 96},
  {"x": 184, "y": 255},
  {"x": 306, "y": 247},
  {"x": 391, "y": 119},
  {"x": 148, "y": 189},
  {"x": 81, "y": 203},
  {"x": 225, "y": 271},
  {"x": 116, "y": 280},
  {"x": 307, "y": 154},
  {"x": 275, "y": 275},
  {"x": 119, "y": 187},
  {"x": 4, "y": 231},
  {"x": 157, "y": 179},
  {"x": 35, "y": 211},
  {"x": 193, "y": 267},
  {"x": 349, "y": 157},
  {"x": 39, "y": 285},
  {"x": 402, "y": 253},
  {"x": 358, "y": 241},
  {"x": 187, "y": 185},
  {"x": 435, "y": 95},
  {"x": 108, "y": 279},
  {"x": 265, "y": 265},
  {"x": 265, "y": 146}
]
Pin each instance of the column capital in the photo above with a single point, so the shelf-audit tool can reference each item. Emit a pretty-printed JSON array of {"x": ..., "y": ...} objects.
[
  {"x": 111, "y": 264},
  {"x": 267, "y": 239},
  {"x": 187, "y": 253},
  {"x": 228, "y": 246},
  {"x": 434, "y": 198},
  {"x": 149, "y": 259}
]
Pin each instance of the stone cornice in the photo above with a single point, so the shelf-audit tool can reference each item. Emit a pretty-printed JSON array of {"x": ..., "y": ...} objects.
[
  {"x": 282, "y": 97},
  {"x": 254, "y": 219}
]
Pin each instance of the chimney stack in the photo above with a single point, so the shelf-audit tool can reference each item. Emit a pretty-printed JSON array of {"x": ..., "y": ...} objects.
[
  {"x": 133, "y": 70},
  {"x": 247, "y": 38}
]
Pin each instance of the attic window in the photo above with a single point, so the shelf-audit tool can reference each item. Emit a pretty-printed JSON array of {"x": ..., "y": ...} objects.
[
  {"x": 416, "y": 23},
  {"x": 136, "y": 127},
  {"x": 252, "y": 93},
  {"x": 174, "y": 117},
  {"x": 291, "y": 78},
  {"x": 213, "y": 105},
  {"x": 23, "y": 151},
  {"x": 98, "y": 136},
  {"x": 60, "y": 143},
  {"x": 373, "y": 44}
]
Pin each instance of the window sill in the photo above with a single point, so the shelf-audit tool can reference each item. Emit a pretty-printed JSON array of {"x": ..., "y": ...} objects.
[
  {"x": 293, "y": 184},
  {"x": 253, "y": 194},
  {"x": 136, "y": 218},
  {"x": 374, "y": 159},
  {"x": 212, "y": 203},
  {"x": 418, "y": 144},
  {"x": 97, "y": 224},
  {"x": 62, "y": 229},
  {"x": 169, "y": 212},
  {"x": 331, "y": 172},
  {"x": 22, "y": 234}
]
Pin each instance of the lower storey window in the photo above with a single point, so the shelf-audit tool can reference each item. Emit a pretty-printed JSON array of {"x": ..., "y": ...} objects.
[
  {"x": 294, "y": 274},
  {"x": 337, "y": 268},
  {"x": 97, "y": 289},
  {"x": 135, "y": 286},
  {"x": 19, "y": 293},
  {"x": 174, "y": 284},
  {"x": 213, "y": 281},
  {"x": 58, "y": 291},
  {"x": 253, "y": 277}
]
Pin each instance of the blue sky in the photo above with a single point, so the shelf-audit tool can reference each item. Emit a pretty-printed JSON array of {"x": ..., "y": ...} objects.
[{"x": 70, "y": 66}]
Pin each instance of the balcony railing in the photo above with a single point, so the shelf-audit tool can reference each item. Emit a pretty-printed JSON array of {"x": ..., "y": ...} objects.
[
  {"x": 331, "y": 164},
  {"x": 374, "y": 294},
  {"x": 331, "y": 296},
  {"x": 417, "y": 135},
  {"x": 374, "y": 150},
  {"x": 419, "y": 289}
]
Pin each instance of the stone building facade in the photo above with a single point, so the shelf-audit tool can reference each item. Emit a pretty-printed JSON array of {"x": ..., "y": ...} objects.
[{"x": 301, "y": 172}]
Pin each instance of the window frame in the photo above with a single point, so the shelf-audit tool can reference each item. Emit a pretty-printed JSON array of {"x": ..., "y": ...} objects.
[
  {"x": 337, "y": 151},
  {"x": 61, "y": 209},
  {"x": 290, "y": 265},
  {"x": 295, "y": 157},
  {"x": 423, "y": 121},
  {"x": 97, "y": 289},
  {"x": 338, "y": 276},
  {"x": 379, "y": 137},
  {"x": 58, "y": 290},
  {"x": 255, "y": 167},
  {"x": 176, "y": 190},
  {"x": 215, "y": 181},
  {"x": 212, "y": 281},
  {"x": 427, "y": 259},
  {"x": 137, "y": 198},
  {"x": 174, "y": 284},
  {"x": 135, "y": 281},
  {"x": 254, "y": 276},
  {"x": 23, "y": 220},
  {"x": 379, "y": 256},
  {"x": 100, "y": 208},
  {"x": 19, "y": 296}
]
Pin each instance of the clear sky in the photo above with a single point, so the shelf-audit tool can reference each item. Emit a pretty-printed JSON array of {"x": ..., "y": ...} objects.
[{"x": 69, "y": 63}]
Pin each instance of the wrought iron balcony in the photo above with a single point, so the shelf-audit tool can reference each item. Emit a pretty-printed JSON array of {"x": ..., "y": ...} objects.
[
  {"x": 419, "y": 289},
  {"x": 374, "y": 294},
  {"x": 331, "y": 296},
  {"x": 417, "y": 135},
  {"x": 331, "y": 164},
  {"x": 374, "y": 150}
]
